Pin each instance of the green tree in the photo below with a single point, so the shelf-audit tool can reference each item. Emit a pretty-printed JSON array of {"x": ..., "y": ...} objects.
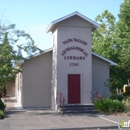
[
  {"x": 122, "y": 72},
  {"x": 104, "y": 38},
  {"x": 112, "y": 40},
  {"x": 104, "y": 42},
  {"x": 124, "y": 34},
  {"x": 9, "y": 55}
]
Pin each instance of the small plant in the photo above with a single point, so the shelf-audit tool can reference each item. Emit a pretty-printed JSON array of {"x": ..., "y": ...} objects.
[
  {"x": 2, "y": 109},
  {"x": 109, "y": 106},
  {"x": 2, "y": 105},
  {"x": 1, "y": 114},
  {"x": 126, "y": 101}
]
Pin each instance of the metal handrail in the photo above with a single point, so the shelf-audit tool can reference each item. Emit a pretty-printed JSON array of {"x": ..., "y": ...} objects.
[
  {"x": 62, "y": 99},
  {"x": 97, "y": 96}
]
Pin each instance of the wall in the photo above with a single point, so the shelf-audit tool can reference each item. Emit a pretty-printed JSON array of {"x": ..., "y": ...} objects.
[
  {"x": 37, "y": 74},
  {"x": 18, "y": 87},
  {"x": 10, "y": 89},
  {"x": 100, "y": 74},
  {"x": 54, "y": 70},
  {"x": 74, "y": 27}
]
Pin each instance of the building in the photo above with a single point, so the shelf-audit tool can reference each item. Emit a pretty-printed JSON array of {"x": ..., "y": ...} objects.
[{"x": 69, "y": 67}]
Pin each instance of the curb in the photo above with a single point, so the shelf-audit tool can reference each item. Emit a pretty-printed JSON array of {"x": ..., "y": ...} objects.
[{"x": 83, "y": 128}]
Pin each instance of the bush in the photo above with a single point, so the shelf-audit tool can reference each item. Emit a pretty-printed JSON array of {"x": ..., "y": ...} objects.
[
  {"x": 126, "y": 101},
  {"x": 2, "y": 109},
  {"x": 117, "y": 97},
  {"x": 109, "y": 106},
  {"x": 1, "y": 114},
  {"x": 2, "y": 105},
  {"x": 3, "y": 89},
  {"x": 126, "y": 95},
  {"x": 127, "y": 90}
]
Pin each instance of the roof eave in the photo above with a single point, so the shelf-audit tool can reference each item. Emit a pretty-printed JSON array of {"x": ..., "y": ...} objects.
[
  {"x": 103, "y": 58},
  {"x": 50, "y": 27},
  {"x": 107, "y": 60}
]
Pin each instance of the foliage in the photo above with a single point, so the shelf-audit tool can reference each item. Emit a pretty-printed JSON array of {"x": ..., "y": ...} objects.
[
  {"x": 10, "y": 52},
  {"x": 126, "y": 101},
  {"x": 109, "y": 106},
  {"x": 2, "y": 89},
  {"x": 104, "y": 37},
  {"x": 2, "y": 105},
  {"x": 1, "y": 114},
  {"x": 112, "y": 40},
  {"x": 117, "y": 97},
  {"x": 2, "y": 108},
  {"x": 127, "y": 90}
]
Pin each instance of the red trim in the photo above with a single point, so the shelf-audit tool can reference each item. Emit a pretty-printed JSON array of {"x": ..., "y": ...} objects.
[{"x": 61, "y": 99}]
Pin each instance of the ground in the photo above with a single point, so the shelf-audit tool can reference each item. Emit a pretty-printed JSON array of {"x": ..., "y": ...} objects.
[{"x": 32, "y": 119}]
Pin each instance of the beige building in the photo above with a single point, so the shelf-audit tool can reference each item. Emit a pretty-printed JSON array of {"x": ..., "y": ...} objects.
[{"x": 69, "y": 67}]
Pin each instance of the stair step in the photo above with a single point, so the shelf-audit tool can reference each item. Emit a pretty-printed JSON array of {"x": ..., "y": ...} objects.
[
  {"x": 82, "y": 111},
  {"x": 80, "y": 108},
  {"x": 68, "y": 109}
]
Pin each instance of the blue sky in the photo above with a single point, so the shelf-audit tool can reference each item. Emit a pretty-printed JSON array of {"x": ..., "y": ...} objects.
[{"x": 34, "y": 16}]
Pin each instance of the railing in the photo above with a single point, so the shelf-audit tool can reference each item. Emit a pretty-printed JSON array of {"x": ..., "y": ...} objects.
[
  {"x": 97, "y": 96},
  {"x": 61, "y": 99}
]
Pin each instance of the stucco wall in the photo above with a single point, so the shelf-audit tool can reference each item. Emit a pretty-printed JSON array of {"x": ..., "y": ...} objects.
[
  {"x": 100, "y": 74},
  {"x": 70, "y": 28},
  {"x": 18, "y": 86},
  {"x": 10, "y": 88},
  {"x": 54, "y": 70},
  {"x": 37, "y": 74}
]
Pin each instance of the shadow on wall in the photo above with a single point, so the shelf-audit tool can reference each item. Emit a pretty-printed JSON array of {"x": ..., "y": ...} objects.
[{"x": 10, "y": 88}]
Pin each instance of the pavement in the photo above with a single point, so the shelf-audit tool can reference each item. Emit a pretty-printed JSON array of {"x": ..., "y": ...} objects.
[{"x": 17, "y": 118}]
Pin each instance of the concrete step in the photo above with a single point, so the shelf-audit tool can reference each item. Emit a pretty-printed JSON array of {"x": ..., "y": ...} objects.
[
  {"x": 77, "y": 106},
  {"x": 69, "y": 109},
  {"x": 79, "y": 111}
]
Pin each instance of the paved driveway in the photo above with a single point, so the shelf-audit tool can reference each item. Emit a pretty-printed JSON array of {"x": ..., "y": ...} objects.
[
  {"x": 31, "y": 119},
  {"x": 47, "y": 119}
]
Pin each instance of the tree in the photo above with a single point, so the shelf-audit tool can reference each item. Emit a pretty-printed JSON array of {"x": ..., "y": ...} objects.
[
  {"x": 112, "y": 40},
  {"x": 122, "y": 71},
  {"x": 9, "y": 55},
  {"x": 124, "y": 34},
  {"x": 104, "y": 42},
  {"x": 104, "y": 38}
]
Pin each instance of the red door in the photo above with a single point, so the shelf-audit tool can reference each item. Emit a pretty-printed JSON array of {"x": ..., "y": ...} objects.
[{"x": 73, "y": 88}]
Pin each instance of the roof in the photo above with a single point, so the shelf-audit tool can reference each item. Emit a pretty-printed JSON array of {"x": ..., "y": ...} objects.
[
  {"x": 101, "y": 57},
  {"x": 52, "y": 24},
  {"x": 105, "y": 59},
  {"x": 38, "y": 54}
]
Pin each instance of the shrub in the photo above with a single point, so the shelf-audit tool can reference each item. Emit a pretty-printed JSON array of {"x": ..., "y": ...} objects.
[
  {"x": 2, "y": 105},
  {"x": 1, "y": 114},
  {"x": 126, "y": 95},
  {"x": 109, "y": 106},
  {"x": 128, "y": 90},
  {"x": 126, "y": 101},
  {"x": 117, "y": 97},
  {"x": 3, "y": 88}
]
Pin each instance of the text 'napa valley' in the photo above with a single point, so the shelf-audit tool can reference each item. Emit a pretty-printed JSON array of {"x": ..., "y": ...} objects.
[{"x": 74, "y": 48}]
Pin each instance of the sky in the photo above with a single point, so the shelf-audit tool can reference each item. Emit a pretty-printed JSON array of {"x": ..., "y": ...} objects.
[{"x": 34, "y": 16}]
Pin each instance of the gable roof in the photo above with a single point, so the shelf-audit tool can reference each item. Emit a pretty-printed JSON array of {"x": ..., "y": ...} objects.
[
  {"x": 105, "y": 59},
  {"x": 101, "y": 57},
  {"x": 52, "y": 24}
]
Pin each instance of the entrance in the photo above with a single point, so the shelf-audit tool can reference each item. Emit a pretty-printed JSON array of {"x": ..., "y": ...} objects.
[{"x": 74, "y": 88}]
